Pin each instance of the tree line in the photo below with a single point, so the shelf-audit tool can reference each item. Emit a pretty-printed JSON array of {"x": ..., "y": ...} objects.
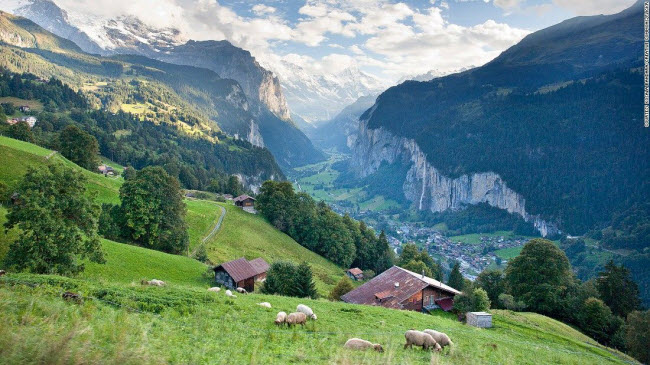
[
  {"x": 541, "y": 280},
  {"x": 317, "y": 227}
]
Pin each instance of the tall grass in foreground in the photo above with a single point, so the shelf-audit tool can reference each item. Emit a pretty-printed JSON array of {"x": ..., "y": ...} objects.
[{"x": 135, "y": 324}]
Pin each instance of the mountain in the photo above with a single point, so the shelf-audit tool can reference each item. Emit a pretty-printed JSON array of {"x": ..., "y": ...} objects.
[
  {"x": 339, "y": 132},
  {"x": 318, "y": 95},
  {"x": 142, "y": 111},
  {"x": 129, "y": 35},
  {"x": 549, "y": 130},
  {"x": 433, "y": 74}
]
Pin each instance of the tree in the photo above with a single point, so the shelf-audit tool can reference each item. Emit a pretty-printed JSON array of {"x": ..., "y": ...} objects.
[
  {"x": 234, "y": 187},
  {"x": 79, "y": 147},
  {"x": 492, "y": 281},
  {"x": 507, "y": 301},
  {"x": 415, "y": 260},
  {"x": 475, "y": 300},
  {"x": 57, "y": 222},
  {"x": 418, "y": 267},
  {"x": 456, "y": 278},
  {"x": 637, "y": 335},
  {"x": 539, "y": 276},
  {"x": 129, "y": 173},
  {"x": 595, "y": 319},
  {"x": 480, "y": 300},
  {"x": 341, "y": 288},
  {"x": 618, "y": 290},
  {"x": 21, "y": 131},
  {"x": 279, "y": 278},
  {"x": 303, "y": 282},
  {"x": 153, "y": 211}
]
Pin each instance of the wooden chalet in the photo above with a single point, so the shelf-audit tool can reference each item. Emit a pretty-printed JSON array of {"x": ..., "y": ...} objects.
[
  {"x": 244, "y": 201},
  {"x": 399, "y": 288},
  {"x": 241, "y": 273},
  {"x": 355, "y": 274}
]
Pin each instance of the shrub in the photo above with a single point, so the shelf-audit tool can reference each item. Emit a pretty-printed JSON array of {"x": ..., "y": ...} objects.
[{"x": 343, "y": 287}]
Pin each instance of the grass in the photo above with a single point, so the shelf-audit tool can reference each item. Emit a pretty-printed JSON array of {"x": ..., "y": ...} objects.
[
  {"x": 134, "y": 324},
  {"x": 127, "y": 263},
  {"x": 32, "y": 103},
  {"x": 475, "y": 238},
  {"x": 202, "y": 216},
  {"x": 509, "y": 253},
  {"x": 249, "y": 235}
]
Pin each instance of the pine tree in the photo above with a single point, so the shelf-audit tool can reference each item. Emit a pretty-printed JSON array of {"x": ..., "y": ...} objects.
[
  {"x": 456, "y": 280},
  {"x": 618, "y": 290},
  {"x": 303, "y": 282}
]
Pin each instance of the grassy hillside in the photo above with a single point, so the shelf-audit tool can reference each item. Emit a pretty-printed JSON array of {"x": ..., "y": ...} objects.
[
  {"x": 249, "y": 235},
  {"x": 241, "y": 234},
  {"x": 135, "y": 324}
]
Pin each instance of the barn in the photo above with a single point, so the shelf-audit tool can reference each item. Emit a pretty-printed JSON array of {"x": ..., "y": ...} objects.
[
  {"x": 399, "y": 288},
  {"x": 244, "y": 201},
  {"x": 241, "y": 273},
  {"x": 355, "y": 274}
]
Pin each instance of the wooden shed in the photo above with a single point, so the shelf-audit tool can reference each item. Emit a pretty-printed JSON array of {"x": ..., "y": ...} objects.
[
  {"x": 244, "y": 201},
  {"x": 241, "y": 273},
  {"x": 355, "y": 274}
]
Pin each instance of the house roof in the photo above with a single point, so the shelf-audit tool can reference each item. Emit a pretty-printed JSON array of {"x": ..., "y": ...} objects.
[
  {"x": 239, "y": 269},
  {"x": 259, "y": 265},
  {"x": 355, "y": 271},
  {"x": 445, "y": 303},
  {"x": 243, "y": 197},
  {"x": 396, "y": 285}
]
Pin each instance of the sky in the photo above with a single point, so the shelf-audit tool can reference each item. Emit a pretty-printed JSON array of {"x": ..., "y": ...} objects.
[{"x": 388, "y": 39}]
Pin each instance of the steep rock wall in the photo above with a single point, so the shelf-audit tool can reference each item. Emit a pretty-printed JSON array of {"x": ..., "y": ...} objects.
[{"x": 426, "y": 187}]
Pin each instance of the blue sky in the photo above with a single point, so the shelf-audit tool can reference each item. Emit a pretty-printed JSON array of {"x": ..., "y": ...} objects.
[{"x": 389, "y": 39}]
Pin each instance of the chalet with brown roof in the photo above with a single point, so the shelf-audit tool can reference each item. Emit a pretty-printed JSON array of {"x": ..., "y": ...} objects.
[
  {"x": 244, "y": 201},
  {"x": 355, "y": 274},
  {"x": 241, "y": 273},
  {"x": 399, "y": 288}
]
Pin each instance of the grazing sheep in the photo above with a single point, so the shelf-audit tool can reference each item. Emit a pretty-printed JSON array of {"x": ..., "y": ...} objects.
[
  {"x": 230, "y": 294},
  {"x": 215, "y": 289},
  {"x": 241, "y": 290},
  {"x": 418, "y": 338},
  {"x": 281, "y": 318},
  {"x": 264, "y": 304},
  {"x": 70, "y": 296},
  {"x": 308, "y": 312},
  {"x": 153, "y": 282},
  {"x": 359, "y": 344},
  {"x": 2, "y": 272},
  {"x": 441, "y": 338},
  {"x": 296, "y": 318}
]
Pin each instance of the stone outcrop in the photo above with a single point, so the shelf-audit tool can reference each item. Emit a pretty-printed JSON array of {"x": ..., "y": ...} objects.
[{"x": 429, "y": 189}]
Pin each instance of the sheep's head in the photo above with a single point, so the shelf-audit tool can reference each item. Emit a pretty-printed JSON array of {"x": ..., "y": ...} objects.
[
  {"x": 378, "y": 347},
  {"x": 437, "y": 347},
  {"x": 313, "y": 316}
]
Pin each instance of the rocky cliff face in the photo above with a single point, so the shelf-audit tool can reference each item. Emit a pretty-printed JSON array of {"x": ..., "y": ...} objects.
[{"x": 426, "y": 187}]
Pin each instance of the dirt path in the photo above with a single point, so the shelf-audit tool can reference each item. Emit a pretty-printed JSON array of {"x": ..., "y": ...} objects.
[
  {"x": 50, "y": 155},
  {"x": 216, "y": 227}
]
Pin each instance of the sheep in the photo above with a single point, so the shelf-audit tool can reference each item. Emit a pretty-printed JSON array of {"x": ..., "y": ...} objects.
[
  {"x": 281, "y": 318},
  {"x": 264, "y": 304},
  {"x": 296, "y": 318},
  {"x": 441, "y": 338},
  {"x": 230, "y": 294},
  {"x": 308, "y": 312},
  {"x": 153, "y": 282},
  {"x": 359, "y": 344},
  {"x": 215, "y": 289},
  {"x": 418, "y": 338},
  {"x": 241, "y": 290}
]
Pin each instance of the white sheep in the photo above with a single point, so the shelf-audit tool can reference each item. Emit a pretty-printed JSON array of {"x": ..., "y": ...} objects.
[
  {"x": 359, "y": 344},
  {"x": 441, "y": 338},
  {"x": 419, "y": 338},
  {"x": 153, "y": 282},
  {"x": 264, "y": 304},
  {"x": 215, "y": 289},
  {"x": 308, "y": 312},
  {"x": 241, "y": 290},
  {"x": 230, "y": 294},
  {"x": 281, "y": 318},
  {"x": 297, "y": 318}
]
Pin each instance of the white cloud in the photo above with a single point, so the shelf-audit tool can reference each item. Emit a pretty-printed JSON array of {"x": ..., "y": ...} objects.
[
  {"x": 261, "y": 9},
  {"x": 594, "y": 7},
  {"x": 507, "y": 4}
]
